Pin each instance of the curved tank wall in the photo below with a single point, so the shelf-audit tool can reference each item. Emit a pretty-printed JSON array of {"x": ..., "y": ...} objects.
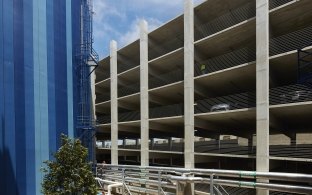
[{"x": 38, "y": 40}]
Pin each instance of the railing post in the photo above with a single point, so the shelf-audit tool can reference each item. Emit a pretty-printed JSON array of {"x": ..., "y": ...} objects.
[
  {"x": 123, "y": 181},
  {"x": 211, "y": 184},
  {"x": 159, "y": 182},
  {"x": 180, "y": 188}
]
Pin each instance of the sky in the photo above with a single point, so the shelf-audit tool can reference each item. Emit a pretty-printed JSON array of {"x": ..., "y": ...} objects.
[{"x": 119, "y": 19}]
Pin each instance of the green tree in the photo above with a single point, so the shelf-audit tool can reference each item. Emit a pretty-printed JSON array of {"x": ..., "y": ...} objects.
[{"x": 69, "y": 173}]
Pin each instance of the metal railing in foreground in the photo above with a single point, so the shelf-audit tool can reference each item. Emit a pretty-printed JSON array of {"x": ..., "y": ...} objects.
[{"x": 170, "y": 180}]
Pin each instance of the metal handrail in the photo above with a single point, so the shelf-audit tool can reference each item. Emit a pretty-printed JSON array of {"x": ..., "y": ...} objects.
[
  {"x": 297, "y": 177},
  {"x": 215, "y": 177}
]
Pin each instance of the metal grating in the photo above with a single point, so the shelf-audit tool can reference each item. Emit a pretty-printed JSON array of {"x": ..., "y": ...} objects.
[
  {"x": 232, "y": 18},
  {"x": 292, "y": 151},
  {"x": 277, "y": 3},
  {"x": 165, "y": 79},
  {"x": 290, "y": 94},
  {"x": 228, "y": 60},
  {"x": 284, "y": 43},
  {"x": 233, "y": 147},
  {"x": 236, "y": 101},
  {"x": 167, "y": 111},
  {"x": 291, "y": 41}
]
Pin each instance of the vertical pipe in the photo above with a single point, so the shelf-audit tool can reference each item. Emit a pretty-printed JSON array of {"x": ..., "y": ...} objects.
[
  {"x": 144, "y": 93},
  {"x": 262, "y": 69},
  {"x": 114, "y": 103}
]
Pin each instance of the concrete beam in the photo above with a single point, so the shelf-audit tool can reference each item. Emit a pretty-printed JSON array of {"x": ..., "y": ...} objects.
[
  {"x": 114, "y": 103},
  {"x": 262, "y": 76},
  {"x": 189, "y": 85},
  {"x": 144, "y": 93}
]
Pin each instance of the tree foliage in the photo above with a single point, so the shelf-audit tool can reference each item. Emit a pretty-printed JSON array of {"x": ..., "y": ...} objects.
[{"x": 69, "y": 173}]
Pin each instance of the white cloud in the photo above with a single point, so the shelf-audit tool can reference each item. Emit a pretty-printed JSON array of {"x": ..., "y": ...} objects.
[
  {"x": 119, "y": 19},
  {"x": 103, "y": 10},
  {"x": 134, "y": 30}
]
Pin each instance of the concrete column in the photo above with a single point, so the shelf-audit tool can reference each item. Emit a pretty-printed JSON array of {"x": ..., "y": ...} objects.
[
  {"x": 262, "y": 68},
  {"x": 114, "y": 102},
  {"x": 188, "y": 84},
  {"x": 189, "y": 90},
  {"x": 144, "y": 93}
]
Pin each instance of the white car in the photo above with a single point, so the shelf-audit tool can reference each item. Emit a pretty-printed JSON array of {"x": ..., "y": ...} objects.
[{"x": 220, "y": 107}]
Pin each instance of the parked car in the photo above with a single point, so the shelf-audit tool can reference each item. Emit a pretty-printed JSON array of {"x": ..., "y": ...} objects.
[
  {"x": 220, "y": 107},
  {"x": 295, "y": 96}
]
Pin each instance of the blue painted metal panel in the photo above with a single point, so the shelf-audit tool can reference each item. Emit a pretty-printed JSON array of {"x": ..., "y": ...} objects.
[
  {"x": 2, "y": 179},
  {"x": 9, "y": 153},
  {"x": 51, "y": 76},
  {"x": 76, "y": 6},
  {"x": 29, "y": 97},
  {"x": 37, "y": 86},
  {"x": 41, "y": 88},
  {"x": 60, "y": 69},
  {"x": 19, "y": 96},
  {"x": 36, "y": 93}
]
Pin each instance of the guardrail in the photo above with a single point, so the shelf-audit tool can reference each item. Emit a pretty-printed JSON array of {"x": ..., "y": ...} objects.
[{"x": 169, "y": 180}]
